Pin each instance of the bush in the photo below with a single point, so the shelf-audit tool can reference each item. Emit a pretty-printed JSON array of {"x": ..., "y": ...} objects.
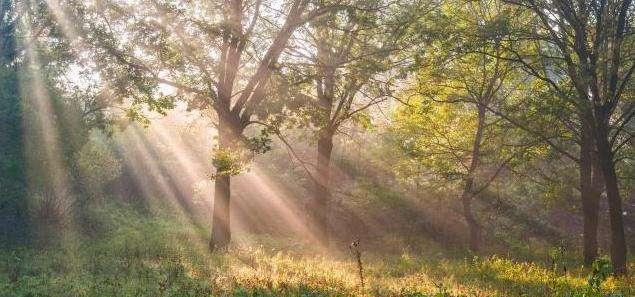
[{"x": 97, "y": 163}]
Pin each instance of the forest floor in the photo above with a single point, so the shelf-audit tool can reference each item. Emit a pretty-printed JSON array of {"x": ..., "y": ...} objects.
[{"x": 139, "y": 255}]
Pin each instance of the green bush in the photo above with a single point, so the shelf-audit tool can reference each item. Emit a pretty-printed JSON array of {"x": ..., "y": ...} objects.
[{"x": 97, "y": 163}]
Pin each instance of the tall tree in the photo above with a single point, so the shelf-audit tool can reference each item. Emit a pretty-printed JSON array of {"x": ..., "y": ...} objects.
[
  {"x": 475, "y": 77},
  {"x": 589, "y": 44},
  {"x": 571, "y": 142},
  {"x": 347, "y": 60},
  {"x": 216, "y": 55}
]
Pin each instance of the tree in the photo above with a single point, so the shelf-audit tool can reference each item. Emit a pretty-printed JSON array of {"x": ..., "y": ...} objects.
[
  {"x": 569, "y": 140},
  {"x": 473, "y": 76},
  {"x": 210, "y": 54},
  {"x": 346, "y": 69},
  {"x": 588, "y": 45}
]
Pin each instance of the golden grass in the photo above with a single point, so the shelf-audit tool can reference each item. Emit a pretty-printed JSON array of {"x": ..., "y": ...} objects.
[{"x": 165, "y": 257}]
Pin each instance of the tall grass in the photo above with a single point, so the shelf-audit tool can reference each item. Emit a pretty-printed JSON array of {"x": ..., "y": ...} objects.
[{"x": 140, "y": 255}]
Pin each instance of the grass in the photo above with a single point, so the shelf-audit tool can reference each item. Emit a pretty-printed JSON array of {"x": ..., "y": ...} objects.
[{"x": 162, "y": 256}]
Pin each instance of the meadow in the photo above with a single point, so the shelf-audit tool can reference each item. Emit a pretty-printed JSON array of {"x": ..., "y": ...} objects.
[{"x": 161, "y": 255}]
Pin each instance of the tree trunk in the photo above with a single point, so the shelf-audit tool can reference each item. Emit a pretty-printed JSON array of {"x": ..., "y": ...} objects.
[
  {"x": 221, "y": 234},
  {"x": 468, "y": 190},
  {"x": 470, "y": 218},
  {"x": 322, "y": 193},
  {"x": 618, "y": 241},
  {"x": 221, "y": 227},
  {"x": 325, "y": 89},
  {"x": 589, "y": 195}
]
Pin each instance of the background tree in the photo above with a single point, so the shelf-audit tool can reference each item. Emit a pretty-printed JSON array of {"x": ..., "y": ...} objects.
[
  {"x": 474, "y": 80},
  {"x": 345, "y": 67},
  {"x": 588, "y": 44}
]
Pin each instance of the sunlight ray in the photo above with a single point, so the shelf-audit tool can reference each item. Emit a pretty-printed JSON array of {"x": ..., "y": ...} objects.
[
  {"x": 274, "y": 201},
  {"x": 42, "y": 131}
]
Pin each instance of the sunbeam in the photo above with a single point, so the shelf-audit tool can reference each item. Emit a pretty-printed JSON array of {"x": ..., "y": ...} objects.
[{"x": 44, "y": 157}]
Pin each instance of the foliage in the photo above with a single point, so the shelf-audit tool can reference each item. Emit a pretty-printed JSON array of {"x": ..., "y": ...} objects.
[
  {"x": 97, "y": 163},
  {"x": 12, "y": 162},
  {"x": 228, "y": 162},
  {"x": 164, "y": 255},
  {"x": 435, "y": 137}
]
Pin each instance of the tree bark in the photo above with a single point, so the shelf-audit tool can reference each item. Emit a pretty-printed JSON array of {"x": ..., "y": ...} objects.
[
  {"x": 589, "y": 195},
  {"x": 325, "y": 89},
  {"x": 228, "y": 132},
  {"x": 468, "y": 190},
  {"x": 221, "y": 234},
  {"x": 618, "y": 240},
  {"x": 470, "y": 218},
  {"x": 322, "y": 193}
]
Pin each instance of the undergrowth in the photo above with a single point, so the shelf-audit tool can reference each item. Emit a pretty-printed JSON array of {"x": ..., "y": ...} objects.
[{"x": 140, "y": 255}]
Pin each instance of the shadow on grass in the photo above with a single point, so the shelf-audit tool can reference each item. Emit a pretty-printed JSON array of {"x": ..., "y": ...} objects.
[{"x": 162, "y": 258}]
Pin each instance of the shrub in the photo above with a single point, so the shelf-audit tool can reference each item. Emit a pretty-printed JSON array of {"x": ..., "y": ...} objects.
[{"x": 97, "y": 163}]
